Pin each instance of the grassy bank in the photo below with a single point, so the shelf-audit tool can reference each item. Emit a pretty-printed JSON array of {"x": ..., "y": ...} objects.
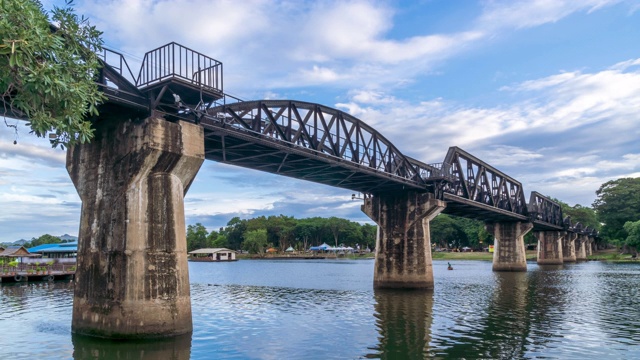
[{"x": 611, "y": 255}]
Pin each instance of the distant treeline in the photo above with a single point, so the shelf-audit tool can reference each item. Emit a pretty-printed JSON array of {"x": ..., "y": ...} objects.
[{"x": 280, "y": 232}]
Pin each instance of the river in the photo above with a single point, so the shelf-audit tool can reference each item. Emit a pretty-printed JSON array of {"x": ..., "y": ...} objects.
[{"x": 327, "y": 309}]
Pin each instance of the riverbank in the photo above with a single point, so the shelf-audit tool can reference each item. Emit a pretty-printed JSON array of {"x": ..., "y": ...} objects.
[{"x": 610, "y": 255}]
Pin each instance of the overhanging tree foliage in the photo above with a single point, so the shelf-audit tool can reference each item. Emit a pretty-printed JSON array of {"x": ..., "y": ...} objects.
[{"x": 47, "y": 72}]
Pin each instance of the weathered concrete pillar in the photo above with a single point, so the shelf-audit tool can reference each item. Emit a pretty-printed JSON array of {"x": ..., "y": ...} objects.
[
  {"x": 581, "y": 248},
  {"x": 590, "y": 246},
  {"x": 569, "y": 247},
  {"x": 403, "y": 247},
  {"x": 509, "y": 252},
  {"x": 549, "y": 247},
  {"x": 132, "y": 279}
]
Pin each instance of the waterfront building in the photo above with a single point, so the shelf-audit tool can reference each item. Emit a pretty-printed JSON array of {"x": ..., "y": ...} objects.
[{"x": 212, "y": 254}]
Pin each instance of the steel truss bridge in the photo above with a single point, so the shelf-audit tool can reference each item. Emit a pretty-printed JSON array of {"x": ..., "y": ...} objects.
[{"x": 310, "y": 141}]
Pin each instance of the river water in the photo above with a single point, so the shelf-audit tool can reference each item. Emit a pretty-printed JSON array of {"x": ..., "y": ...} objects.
[{"x": 327, "y": 309}]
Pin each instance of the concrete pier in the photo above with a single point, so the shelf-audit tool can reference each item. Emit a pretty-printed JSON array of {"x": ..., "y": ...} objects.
[
  {"x": 549, "y": 247},
  {"x": 569, "y": 247},
  {"x": 581, "y": 248},
  {"x": 403, "y": 246},
  {"x": 509, "y": 252},
  {"x": 132, "y": 279}
]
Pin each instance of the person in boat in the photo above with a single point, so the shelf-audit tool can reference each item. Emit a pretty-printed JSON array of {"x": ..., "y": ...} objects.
[{"x": 449, "y": 267}]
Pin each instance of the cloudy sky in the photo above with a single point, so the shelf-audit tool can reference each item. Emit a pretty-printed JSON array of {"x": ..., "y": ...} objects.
[{"x": 547, "y": 91}]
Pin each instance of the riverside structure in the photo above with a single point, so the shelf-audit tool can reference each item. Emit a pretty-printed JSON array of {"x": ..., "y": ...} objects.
[{"x": 157, "y": 128}]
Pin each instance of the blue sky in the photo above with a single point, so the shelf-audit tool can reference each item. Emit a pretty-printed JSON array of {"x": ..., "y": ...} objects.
[{"x": 546, "y": 91}]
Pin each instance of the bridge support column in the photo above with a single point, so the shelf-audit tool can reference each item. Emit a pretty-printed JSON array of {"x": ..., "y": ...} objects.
[
  {"x": 132, "y": 279},
  {"x": 581, "y": 248},
  {"x": 403, "y": 246},
  {"x": 549, "y": 247},
  {"x": 590, "y": 246},
  {"x": 509, "y": 252},
  {"x": 569, "y": 247}
]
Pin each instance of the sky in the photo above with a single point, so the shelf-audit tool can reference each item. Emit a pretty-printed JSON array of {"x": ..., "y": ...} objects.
[{"x": 547, "y": 91}]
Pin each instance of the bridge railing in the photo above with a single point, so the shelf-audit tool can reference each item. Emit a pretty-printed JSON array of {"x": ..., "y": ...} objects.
[
  {"x": 118, "y": 62},
  {"x": 174, "y": 61}
]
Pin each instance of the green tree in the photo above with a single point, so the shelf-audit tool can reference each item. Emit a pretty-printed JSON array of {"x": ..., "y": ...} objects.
[
  {"x": 255, "y": 241},
  {"x": 337, "y": 227},
  {"x": 44, "y": 239},
  {"x": 617, "y": 202},
  {"x": 47, "y": 73},
  {"x": 446, "y": 232},
  {"x": 369, "y": 233},
  {"x": 196, "y": 237},
  {"x": 633, "y": 239},
  {"x": 220, "y": 242},
  {"x": 234, "y": 231}
]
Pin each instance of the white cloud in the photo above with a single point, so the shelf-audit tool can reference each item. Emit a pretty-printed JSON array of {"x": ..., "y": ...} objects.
[{"x": 530, "y": 13}]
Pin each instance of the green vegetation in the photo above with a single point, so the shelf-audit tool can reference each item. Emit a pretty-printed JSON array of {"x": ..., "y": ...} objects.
[
  {"x": 281, "y": 232},
  {"x": 47, "y": 73},
  {"x": 456, "y": 232},
  {"x": 633, "y": 239},
  {"x": 617, "y": 203},
  {"x": 256, "y": 241}
]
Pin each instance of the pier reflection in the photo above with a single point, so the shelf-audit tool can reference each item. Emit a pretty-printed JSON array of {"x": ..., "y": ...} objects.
[
  {"x": 177, "y": 348},
  {"x": 502, "y": 331},
  {"x": 403, "y": 320}
]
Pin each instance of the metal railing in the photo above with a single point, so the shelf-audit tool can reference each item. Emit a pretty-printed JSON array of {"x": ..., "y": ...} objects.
[
  {"x": 179, "y": 62},
  {"x": 118, "y": 62}
]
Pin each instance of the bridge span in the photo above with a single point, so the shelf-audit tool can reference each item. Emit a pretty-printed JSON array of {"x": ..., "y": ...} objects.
[{"x": 157, "y": 128}]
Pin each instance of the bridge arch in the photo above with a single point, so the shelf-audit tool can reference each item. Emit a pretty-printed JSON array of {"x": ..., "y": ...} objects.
[{"x": 311, "y": 142}]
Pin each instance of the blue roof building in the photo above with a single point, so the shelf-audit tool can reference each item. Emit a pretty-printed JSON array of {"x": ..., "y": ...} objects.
[{"x": 61, "y": 250}]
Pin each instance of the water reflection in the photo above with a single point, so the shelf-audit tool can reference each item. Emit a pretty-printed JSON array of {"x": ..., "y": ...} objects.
[
  {"x": 403, "y": 319},
  {"x": 177, "y": 348}
]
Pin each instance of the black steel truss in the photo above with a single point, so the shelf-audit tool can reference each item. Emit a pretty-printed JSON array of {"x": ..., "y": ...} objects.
[
  {"x": 312, "y": 142},
  {"x": 544, "y": 210}
]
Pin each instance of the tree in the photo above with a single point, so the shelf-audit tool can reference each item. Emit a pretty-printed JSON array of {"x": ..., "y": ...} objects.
[
  {"x": 47, "y": 73},
  {"x": 617, "y": 202},
  {"x": 220, "y": 242},
  {"x": 446, "y": 232},
  {"x": 369, "y": 233},
  {"x": 44, "y": 239},
  {"x": 235, "y": 232},
  {"x": 633, "y": 239},
  {"x": 337, "y": 226},
  {"x": 255, "y": 241},
  {"x": 196, "y": 237}
]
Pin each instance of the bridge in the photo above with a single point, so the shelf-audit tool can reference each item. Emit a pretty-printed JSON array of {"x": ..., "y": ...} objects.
[{"x": 159, "y": 125}]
